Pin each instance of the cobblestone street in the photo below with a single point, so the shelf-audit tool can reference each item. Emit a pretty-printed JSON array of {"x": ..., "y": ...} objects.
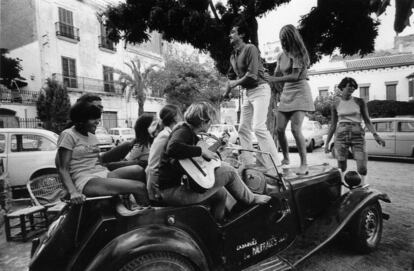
[{"x": 395, "y": 251}]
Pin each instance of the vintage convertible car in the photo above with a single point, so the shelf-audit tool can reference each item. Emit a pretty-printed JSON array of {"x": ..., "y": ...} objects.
[{"x": 304, "y": 212}]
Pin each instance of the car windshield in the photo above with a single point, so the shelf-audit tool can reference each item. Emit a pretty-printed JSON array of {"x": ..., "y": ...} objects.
[
  {"x": 126, "y": 132},
  {"x": 305, "y": 126},
  {"x": 101, "y": 131}
]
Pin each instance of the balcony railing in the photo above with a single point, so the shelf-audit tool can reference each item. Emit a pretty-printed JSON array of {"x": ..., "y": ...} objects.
[
  {"x": 18, "y": 96},
  {"x": 89, "y": 84},
  {"x": 67, "y": 31},
  {"x": 106, "y": 43}
]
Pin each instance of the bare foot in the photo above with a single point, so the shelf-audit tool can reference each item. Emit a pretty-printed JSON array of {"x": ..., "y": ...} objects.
[
  {"x": 303, "y": 170},
  {"x": 261, "y": 199},
  {"x": 285, "y": 161}
]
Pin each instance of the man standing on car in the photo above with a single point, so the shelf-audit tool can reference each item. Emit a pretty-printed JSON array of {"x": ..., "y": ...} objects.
[{"x": 247, "y": 71}]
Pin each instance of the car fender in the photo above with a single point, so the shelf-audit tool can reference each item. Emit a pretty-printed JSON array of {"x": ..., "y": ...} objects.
[
  {"x": 340, "y": 214},
  {"x": 148, "y": 239}
]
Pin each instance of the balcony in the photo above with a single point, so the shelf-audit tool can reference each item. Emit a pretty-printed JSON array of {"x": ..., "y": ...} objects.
[
  {"x": 106, "y": 44},
  {"x": 18, "y": 96},
  {"x": 67, "y": 32},
  {"x": 89, "y": 84}
]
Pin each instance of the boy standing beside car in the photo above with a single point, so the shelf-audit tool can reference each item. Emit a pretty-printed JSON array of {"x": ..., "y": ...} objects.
[{"x": 348, "y": 113}]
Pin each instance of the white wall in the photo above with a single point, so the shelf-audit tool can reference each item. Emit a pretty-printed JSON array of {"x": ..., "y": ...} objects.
[
  {"x": 375, "y": 78},
  {"x": 30, "y": 56}
]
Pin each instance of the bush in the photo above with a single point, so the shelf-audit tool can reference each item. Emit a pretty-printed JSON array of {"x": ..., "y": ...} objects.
[
  {"x": 389, "y": 109},
  {"x": 53, "y": 106}
]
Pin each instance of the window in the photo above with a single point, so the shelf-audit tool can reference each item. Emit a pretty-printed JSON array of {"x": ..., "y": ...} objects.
[
  {"x": 411, "y": 87},
  {"x": 323, "y": 92},
  {"x": 20, "y": 143},
  {"x": 2, "y": 143},
  {"x": 391, "y": 92},
  {"x": 385, "y": 126},
  {"x": 108, "y": 75},
  {"x": 104, "y": 41},
  {"x": 406, "y": 126},
  {"x": 69, "y": 72},
  {"x": 364, "y": 93},
  {"x": 65, "y": 26}
]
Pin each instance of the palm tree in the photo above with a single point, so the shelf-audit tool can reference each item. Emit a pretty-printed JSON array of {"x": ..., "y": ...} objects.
[{"x": 135, "y": 83}]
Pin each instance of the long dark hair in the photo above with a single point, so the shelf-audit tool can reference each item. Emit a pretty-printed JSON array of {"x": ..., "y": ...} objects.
[{"x": 142, "y": 136}]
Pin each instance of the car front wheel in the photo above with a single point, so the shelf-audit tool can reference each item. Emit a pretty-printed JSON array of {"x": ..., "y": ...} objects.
[
  {"x": 158, "y": 261},
  {"x": 366, "y": 228}
]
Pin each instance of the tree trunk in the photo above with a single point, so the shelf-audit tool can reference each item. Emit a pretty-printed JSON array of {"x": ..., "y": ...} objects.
[{"x": 141, "y": 106}]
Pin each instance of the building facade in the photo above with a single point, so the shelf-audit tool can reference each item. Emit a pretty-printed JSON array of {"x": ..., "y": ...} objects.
[
  {"x": 67, "y": 41},
  {"x": 388, "y": 77}
]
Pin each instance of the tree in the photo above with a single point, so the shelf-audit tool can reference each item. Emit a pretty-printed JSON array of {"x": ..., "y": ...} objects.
[
  {"x": 136, "y": 84},
  {"x": 333, "y": 24},
  {"x": 10, "y": 68},
  {"x": 53, "y": 106}
]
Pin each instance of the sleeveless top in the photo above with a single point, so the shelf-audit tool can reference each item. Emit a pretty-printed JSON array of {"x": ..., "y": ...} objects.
[{"x": 349, "y": 111}]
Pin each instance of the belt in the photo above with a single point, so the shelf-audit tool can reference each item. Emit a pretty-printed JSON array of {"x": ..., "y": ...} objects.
[{"x": 349, "y": 123}]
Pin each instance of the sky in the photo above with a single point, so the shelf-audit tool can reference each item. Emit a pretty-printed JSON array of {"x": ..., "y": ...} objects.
[{"x": 270, "y": 25}]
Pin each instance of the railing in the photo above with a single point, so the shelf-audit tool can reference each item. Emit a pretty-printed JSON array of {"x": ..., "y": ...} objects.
[
  {"x": 18, "y": 96},
  {"x": 66, "y": 30},
  {"x": 89, "y": 84},
  {"x": 106, "y": 43},
  {"x": 30, "y": 123}
]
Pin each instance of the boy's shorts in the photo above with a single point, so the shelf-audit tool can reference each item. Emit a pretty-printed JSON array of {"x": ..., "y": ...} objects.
[{"x": 350, "y": 135}]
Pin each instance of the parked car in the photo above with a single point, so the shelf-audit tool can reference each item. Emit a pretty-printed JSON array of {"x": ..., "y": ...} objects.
[
  {"x": 27, "y": 153},
  {"x": 104, "y": 138},
  {"x": 120, "y": 135},
  {"x": 398, "y": 134},
  {"x": 313, "y": 133},
  {"x": 218, "y": 130},
  {"x": 304, "y": 214}
]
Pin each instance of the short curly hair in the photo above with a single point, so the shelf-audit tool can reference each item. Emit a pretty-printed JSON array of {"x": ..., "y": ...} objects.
[
  {"x": 81, "y": 112},
  {"x": 348, "y": 80}
]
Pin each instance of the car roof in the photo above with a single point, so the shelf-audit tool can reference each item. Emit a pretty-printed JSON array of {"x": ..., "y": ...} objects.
[
  {"x": 396, "y": 118},
  {"x": 27, "y": 130},
  {"x": 124, "y": 128}
]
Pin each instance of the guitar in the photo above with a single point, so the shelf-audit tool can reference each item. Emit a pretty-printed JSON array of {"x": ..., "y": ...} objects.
[{"x": 201, "y": 170}]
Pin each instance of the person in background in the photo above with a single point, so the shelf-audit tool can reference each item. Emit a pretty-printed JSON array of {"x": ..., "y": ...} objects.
[
  {"x": 247, "y": 71},
  {"x": 296, "y": 98},
  {"x": 346, "y": 117},
  {"x": 137, "y": 150},
  {"x": 169, "y": 115},
  {"x": 177, "y": 188},
  {"x": 78, "y": 160}
]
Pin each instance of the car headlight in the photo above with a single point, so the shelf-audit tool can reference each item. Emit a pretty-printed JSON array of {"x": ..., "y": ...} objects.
[{"x": 352, "y": 179}]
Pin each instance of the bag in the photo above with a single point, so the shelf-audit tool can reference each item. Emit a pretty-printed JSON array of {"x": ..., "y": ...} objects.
[{"x": 255, "y": 180}]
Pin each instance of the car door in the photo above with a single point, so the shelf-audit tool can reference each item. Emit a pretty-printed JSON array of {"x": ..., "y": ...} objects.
[
  {"x": 317, "y": 128},
  {"x": 3, "y": 149},
  {"x": 386, "y": 129},
  {"x": 404, "y": 138},
  {"x": 28, "y": 153},
  {"x": 260, "y": 230}
]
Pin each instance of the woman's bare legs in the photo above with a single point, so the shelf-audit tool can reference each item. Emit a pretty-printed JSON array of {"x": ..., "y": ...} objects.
[
  {"x": 282, "y": 121},
  {"x": 296, "y": 122},
  {"x": 112, "y": 186},
  {"x": 133, "y": 172}
]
